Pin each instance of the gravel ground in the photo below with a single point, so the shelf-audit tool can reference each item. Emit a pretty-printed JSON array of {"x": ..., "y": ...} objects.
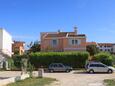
[
  {"x": 79, "y": 79},
  {"x": 74, "y": 78}
]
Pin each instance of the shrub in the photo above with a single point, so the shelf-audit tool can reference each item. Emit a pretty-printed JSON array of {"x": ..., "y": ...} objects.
[
  {"x": 17, "y": 61},
  {"x": 11, "y": 63},
  {"x": 104, "y": 57},
  {"x": 113, "y": 57}
]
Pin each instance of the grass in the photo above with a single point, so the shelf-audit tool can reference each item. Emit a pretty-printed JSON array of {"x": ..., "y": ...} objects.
[
  {"x": 110, "y": 82},
  {"x": 33, "y": 82}
]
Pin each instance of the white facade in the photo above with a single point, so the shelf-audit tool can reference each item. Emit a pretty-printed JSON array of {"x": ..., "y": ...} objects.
[
  {"x": 5, "y": 42},
  {"x": 113, "y": 48},
  {"x": 107, "y": 47},
  {"x": 103, "y": 48}
]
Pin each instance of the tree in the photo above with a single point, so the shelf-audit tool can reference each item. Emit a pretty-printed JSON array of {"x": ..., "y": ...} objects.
[
  {"x": 92, "y": 49},
  {"x": 34, "y": 46},
  {"x": 16, "y": 52}
]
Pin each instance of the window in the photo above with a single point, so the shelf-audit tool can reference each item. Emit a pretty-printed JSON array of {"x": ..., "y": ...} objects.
[
  {"x": 97, "y": 65},
  {"x": 100, "y": 65},
  {"x": 73, "y": 42},
  {"x": 76, "y": 41},
  {"x": 93, "y": 65},
  {"x": 54, "y": 42},
  {"x": 59, "y": 65},
  {"x": 54, "y": 65}
]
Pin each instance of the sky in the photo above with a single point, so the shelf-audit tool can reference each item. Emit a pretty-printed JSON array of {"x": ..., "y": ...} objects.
[{"x": 25, "y": 19}]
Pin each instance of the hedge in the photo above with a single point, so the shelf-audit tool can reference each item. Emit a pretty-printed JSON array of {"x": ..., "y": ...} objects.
[{"x": 74, "y": 59}]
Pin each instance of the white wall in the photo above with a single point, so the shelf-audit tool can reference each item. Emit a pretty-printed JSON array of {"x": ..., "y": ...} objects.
[
  {"x": 1, "y": 38},
  {"x": 114, "y": 48},
  {"x": 5, "y": 42}
]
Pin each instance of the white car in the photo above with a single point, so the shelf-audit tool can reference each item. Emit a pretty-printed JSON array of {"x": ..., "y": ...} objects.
[{"x": 98, "y": 67}]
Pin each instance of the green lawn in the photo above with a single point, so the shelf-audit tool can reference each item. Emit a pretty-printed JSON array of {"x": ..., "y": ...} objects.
[
  {"x": 33, "y": 82},
  {"x": 110, "y": 82}
]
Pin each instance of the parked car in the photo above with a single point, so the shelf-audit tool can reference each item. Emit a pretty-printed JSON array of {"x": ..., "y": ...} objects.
[
  {"x": 92, "y": 67},
  {"x": 56, "y": 67}
]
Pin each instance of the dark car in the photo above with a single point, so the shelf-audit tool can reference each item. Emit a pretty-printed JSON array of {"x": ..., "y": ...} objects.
[{"x": 57, "y": 67}]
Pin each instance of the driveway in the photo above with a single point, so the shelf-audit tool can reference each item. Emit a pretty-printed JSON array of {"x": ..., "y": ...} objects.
[
  {"x": 7, "y": 74},
  {"x": 77, "y": 78}
]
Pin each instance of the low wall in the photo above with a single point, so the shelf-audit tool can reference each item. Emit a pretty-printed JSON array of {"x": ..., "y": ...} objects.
[{"x": 13, "y": 79}]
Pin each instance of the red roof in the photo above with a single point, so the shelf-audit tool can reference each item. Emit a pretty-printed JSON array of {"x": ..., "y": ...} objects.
[
  {"x": 79, "y": 35},
  {"x": 105, "y": 44},
  {"x": 64, "y": 34},
  {"x": 61, "y": 34}
]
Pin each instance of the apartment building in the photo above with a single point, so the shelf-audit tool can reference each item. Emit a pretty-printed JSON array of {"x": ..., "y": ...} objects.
[
  {"x": 5, "y": 42},
  {"x": 63, "y": 41},
  {"x": 18, "y": 47},
  {"x": 5, "y": 47},
  {"x": 108, "y": 47}
]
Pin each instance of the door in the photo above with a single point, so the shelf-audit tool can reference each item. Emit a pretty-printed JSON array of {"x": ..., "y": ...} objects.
[
  {"x": 61, "y": 67},
  {"x": 102, "y": 68}
]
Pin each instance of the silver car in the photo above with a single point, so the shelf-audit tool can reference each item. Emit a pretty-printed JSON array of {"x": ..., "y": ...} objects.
[
  {"x": 59, "y": 67},
  {"x": 98, "y": 67}
]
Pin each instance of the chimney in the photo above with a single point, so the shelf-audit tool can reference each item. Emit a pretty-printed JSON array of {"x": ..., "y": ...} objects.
[{"x": 75, "y": 29}]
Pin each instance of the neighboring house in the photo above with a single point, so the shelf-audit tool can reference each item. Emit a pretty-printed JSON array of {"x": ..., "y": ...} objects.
[
  {"x": 108, "y": 47},
  {"x": 63, "y": 41},
  {"x": 18, "y": 47},
  {"x": 5, "y": 47}
]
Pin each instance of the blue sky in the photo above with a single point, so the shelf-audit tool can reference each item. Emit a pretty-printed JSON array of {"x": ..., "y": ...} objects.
[{"x": 25, "y": 19}]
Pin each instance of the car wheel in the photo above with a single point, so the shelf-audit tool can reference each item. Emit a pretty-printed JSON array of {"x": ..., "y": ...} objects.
[
  {"x": 110, "y": 71},
  {"x": 67, "y": 71},
  {"x": 91, "y": 71},
  {"x": 51, "y": 71}
]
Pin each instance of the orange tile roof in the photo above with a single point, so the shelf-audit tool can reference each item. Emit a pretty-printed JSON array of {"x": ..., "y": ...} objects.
[
  {"x": 105, "y": 44},
  {"x": 61, "y": 34},
  {"x": 79, "y": 35}
]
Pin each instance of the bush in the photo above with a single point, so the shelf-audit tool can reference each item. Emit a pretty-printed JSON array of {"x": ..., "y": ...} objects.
[
  {"x": 104, "y": 57},
  {"x": 15, "y": 62},
  {"x": 113, "y": 57},
  {"x": 11, "y": 63},
  {"x": 75, "y": 59}
]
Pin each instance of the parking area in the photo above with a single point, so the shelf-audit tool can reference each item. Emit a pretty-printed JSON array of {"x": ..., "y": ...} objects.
[{"x": 74, "y": 78}]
